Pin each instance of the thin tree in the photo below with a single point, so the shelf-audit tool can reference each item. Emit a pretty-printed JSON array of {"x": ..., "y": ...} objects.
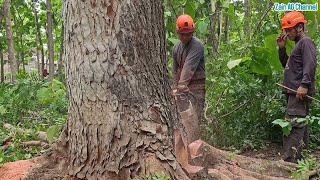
[
  {"x": 50, "y": 39},
  {"x": 38, "y": 40},
  {"x": 11, "y": 55}
]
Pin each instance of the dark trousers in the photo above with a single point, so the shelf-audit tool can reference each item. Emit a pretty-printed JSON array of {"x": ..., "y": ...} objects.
[{"x": 298, "y": 139}]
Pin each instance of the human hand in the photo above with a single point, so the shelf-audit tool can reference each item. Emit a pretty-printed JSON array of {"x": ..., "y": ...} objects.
[
  {"x": 301, "y": 92},
  {"x": 281, "y": 41}
]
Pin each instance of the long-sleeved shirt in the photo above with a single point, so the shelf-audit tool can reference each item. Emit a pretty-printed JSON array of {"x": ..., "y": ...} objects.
[
  {"x": 300, "y": 66},
  {"x": 189, "y": 64}
]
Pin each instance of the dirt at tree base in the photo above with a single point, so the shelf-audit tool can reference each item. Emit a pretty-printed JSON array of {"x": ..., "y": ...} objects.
[
  {"x": 45, "y": 167},
  {"x": 273, "y": 152},
  {"x": 18, "y": 169}
]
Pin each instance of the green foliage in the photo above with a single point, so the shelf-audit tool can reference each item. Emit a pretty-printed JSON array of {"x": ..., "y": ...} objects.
[
  {"x": 30, "y": 106},
  {"x": 304, "y": 167},
  {"x": 53, "y": 132},
  {"x": 50, "y": 94},
  {"x": 285, "y": 125}
]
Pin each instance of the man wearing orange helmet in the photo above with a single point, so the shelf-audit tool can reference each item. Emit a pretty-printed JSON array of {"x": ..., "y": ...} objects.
[
  {"x": 189, "y": 66},
  {"x": 299, "y": 75}
]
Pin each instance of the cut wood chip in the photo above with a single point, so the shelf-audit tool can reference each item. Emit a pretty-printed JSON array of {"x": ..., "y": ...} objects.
[
  {"x": 194, "y": 149},
  {"x": 182, "y": 154}
]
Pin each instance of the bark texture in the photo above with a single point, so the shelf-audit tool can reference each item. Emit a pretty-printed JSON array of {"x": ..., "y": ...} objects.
[
  {"x": 11, "y": 56},
  {"x": 120, "y": 113},
  {"x": 50, "y": 39}
]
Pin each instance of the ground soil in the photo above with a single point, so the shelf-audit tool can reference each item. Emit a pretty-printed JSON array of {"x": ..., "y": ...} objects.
[
  {"x": 17, "y": 170},
  {"x": 273, "y": 151}
]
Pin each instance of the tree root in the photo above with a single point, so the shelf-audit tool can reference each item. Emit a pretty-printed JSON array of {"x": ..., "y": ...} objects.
[
  {"x": 35, "y": 143},
  {"x": 220, "y": 164}
]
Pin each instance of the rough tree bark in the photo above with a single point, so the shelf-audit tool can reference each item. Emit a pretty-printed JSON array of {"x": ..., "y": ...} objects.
[
  {"x": 11, "y": 56},
  {"x": 120, "y": 112},
  {"x": 50, "y": 39}
]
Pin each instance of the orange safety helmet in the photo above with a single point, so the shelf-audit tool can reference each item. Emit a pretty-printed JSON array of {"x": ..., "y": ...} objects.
[
  {"x": 292, "y": 18},
  {"x": 185, "y": 24}
]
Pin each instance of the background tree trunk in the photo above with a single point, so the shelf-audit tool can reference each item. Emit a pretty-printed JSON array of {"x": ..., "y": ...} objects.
[
  {"x": 61, "y": 62},
  {"x": 11, "y": 56},
  {"x": 220, "y": 28},
  {"x": 1, "y": 65},
  {"x": 38, "y": 41},
  {"x": 120, "y": 118},
  {"x": 1, "y": 47},
  {"x": 226, "y": 29},
  {"x": 50, "y": 39},
  {"x": 214, "y": 28}
]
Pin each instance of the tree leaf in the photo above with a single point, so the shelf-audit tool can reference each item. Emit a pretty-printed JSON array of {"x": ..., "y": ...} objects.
[
  {"x": 225, "y": 3},
  {"x": 202, "y": 26},
  {"x": 286, "y": 130},
  {"x": 281, "y": 122},
  {"x": 174, "y": 40},
  {"x": 190, "y": 9},
  {"x": 273, "y": 56},
  {"x": 3, "y": 110},
  {"x": 234, "y": 63},
  {"x": 301, "y": 120},
  {"x": 259, "y": 63},
  {"x": 231, "y": 12}
]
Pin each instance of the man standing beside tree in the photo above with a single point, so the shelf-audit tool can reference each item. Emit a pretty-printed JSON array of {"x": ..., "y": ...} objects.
[
  {"x": 189, "y": 71},
  {"x": 299, "y": 75}
]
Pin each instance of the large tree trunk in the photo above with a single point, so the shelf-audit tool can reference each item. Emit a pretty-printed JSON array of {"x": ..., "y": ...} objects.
[
  {"x": 50, "y": 39},
  {"x": 11, "y": 56},
  {"x": 120, "y": 113}
]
